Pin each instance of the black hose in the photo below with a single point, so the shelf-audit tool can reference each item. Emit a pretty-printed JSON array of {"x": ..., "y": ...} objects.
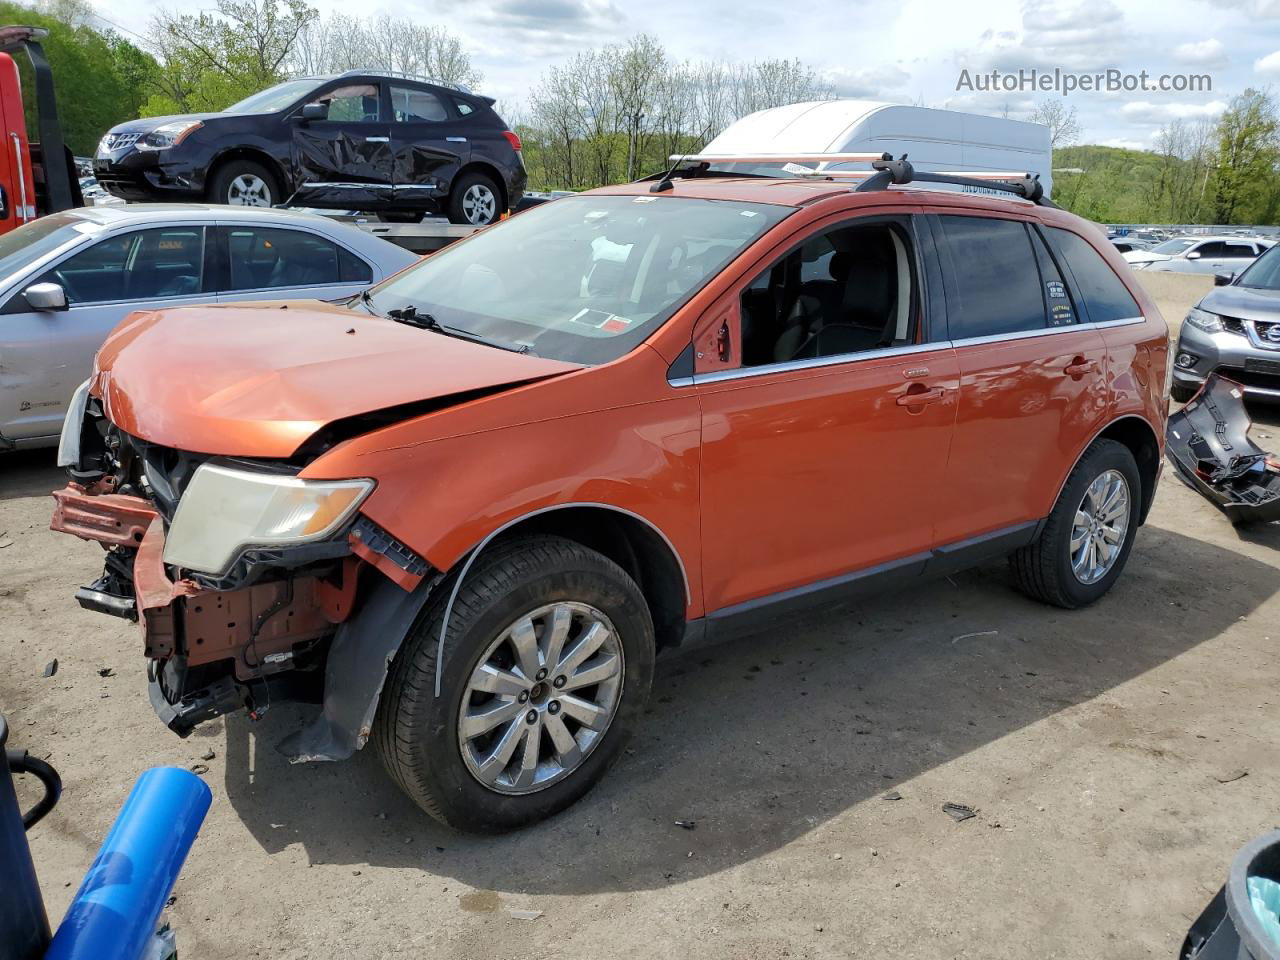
[{"x": 19, "y": 761}]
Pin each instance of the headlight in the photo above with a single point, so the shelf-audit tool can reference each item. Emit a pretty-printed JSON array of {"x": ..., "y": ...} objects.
[
  {"x": 168, "y": 135},
  {"x": 223, "y": 511},
  {"x": 1204, "y": 320}
]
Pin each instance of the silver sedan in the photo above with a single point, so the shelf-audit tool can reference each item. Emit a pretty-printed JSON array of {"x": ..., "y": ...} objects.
[{"x": 67, "y": 279}]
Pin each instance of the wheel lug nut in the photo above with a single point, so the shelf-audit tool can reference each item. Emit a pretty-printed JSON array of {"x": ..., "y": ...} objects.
[
  {"x": 531, "y": 716},
  {"x": 542, "y": 674},
  {"x": 524, "y": 696},
  {"x": 553, "y": 707},
  {"x": 558, "y": 682}
]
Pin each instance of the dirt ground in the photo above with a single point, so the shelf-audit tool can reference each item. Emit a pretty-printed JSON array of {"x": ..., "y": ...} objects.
[{"x": 1092, "y": 745}]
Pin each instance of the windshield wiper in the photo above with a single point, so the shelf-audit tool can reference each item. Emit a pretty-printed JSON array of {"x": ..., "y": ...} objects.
[{"x": 424, "y": 321}]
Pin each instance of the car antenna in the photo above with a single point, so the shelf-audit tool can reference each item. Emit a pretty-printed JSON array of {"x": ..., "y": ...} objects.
[{"x": 665, "y": 183}]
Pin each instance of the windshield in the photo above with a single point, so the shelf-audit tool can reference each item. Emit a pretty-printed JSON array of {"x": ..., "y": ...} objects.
[
  {"x": 583, "y": 279},
  {"x": 1173, "y": 247},
  {"x": 274, "y": 98},
  {"x": 1263, "y": 273},
  {"x": 33, "y": 240}
]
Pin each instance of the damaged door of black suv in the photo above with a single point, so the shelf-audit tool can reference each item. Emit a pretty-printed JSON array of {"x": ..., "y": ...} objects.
[{"x": 342, "y": 148}]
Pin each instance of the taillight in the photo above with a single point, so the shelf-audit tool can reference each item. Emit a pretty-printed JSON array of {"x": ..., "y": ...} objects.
[{"x": 512, "y": 139}]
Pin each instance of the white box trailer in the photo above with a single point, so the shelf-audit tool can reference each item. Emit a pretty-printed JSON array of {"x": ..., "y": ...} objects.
[{"x": 935, "y": 141}]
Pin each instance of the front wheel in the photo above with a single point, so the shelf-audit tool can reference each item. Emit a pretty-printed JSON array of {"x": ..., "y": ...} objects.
[
  {"x": 243, "y": 183},
  {"x": 1087, "y": 538},
  {"x": 547, "y": 665},
  {"x": 474, "y": 200}
]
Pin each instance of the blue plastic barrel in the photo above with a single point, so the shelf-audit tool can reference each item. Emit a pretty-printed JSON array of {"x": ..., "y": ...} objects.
[{"x": 116, "y": 909}]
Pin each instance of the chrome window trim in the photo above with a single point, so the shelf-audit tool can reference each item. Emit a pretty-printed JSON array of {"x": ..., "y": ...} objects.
[{"x": 743, "y": 373}]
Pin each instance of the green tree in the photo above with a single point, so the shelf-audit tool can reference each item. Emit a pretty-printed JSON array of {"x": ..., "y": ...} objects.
[
  {"x": 96, "y": 75},
  {"x": 1248, "y": 155},
  {"x": 213, "y": 59}
]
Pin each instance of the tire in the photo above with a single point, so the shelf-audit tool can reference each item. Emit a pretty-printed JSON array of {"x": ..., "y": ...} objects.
[
  {"x": 244, "y": 183},
  {"x": 1044, "y": 570},
  {"x": 472, "y": 188},
  {"x": 417, "y": 735},
  {"x": 1182, "y": 394}
]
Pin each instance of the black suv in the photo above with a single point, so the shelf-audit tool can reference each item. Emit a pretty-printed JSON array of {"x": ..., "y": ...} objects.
[{"x": 363, "y": 140}]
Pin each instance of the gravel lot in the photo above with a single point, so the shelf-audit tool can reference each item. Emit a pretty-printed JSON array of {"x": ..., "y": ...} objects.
[{"x": 1091, "y": 744}]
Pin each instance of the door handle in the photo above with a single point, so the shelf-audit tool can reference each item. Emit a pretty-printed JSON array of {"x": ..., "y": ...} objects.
[
  {"x": 919, "y": 398},
  {"x": 377, "y": 139},
  {"x": 1078, "y": 367},
  {"x": 456, "y": 139}
]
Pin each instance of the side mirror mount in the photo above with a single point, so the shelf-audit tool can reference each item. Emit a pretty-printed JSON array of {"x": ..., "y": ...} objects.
[
  {"x": 315, "y": 111},
  {"x": 1223, "y": 279},
  {"x": 1193, "y": 255},
  {"x": 46, "y": 297}
]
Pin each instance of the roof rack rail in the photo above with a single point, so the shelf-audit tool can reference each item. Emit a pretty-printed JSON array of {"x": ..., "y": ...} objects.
[
  {"x": 884, "y": 172},
  {"x": 402, "y": 75}
]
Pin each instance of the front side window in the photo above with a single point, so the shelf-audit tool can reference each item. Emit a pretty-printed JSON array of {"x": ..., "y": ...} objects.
[
  {"x": 994, "y": 282},
  {"x": 844, "y": 291},
  {"x": 358, "y": 103},
  {"x": 262, "y": 258},
  {"x": 583, "y": 279},
  {"x": 143, "y": 265},
  {"x": 410, "y": 105},
  {"x": 1105, "y": 296}
]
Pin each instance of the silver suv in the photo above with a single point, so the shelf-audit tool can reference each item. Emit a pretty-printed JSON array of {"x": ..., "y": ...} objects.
[{"x": 1234, "y": 330}]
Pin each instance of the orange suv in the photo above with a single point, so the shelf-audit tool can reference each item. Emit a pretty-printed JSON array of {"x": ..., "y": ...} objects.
[{"x": 468, "y": 508}]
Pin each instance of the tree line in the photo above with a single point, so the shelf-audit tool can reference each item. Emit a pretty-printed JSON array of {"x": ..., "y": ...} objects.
[
  {"x": 607, "y": 114},
  {"x": 1223, "y": 171}
]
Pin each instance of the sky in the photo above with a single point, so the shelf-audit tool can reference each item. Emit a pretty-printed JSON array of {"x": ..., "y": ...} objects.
[{"x": 911, "y": 51}]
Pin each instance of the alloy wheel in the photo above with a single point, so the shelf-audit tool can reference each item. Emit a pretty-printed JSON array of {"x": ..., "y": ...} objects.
[
  {"x": 248, "y": 190},
  {"x": 541, "y": 698},
  {"x": 1099, "y": 528},
  {"x": 479, "y": 205}
]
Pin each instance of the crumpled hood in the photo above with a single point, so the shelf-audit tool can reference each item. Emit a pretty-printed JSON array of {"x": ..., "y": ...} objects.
[
  {"x": 1247, "y": 303},
  {"x": 258, "y": 380}
]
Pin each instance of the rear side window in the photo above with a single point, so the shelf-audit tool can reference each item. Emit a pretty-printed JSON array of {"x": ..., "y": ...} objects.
[
  {"x": 409, "y": 105},
  {"x": 1057, "y": 298},
  {"x": 993, "y": 286},
  {"x": 265, "y": 257},
  {"x": 464, "y": 109},
  {"x": 1105, "y": 297}
]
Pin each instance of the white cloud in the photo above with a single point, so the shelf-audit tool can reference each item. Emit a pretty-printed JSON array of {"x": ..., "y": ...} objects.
[
  {"x": 1270, "y": 64},
  {"x": 1265, "y": 9},
  {"x": 1201, "y": 53},
  {"x": 1143, "y": 111},
  {"x": 1124, "y": 143},
  {"x": 884, "y": 82}
]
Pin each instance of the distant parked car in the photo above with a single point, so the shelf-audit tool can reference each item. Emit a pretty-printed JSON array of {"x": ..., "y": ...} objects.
[
  {"x": 1234, "y": 330},
  {"x": 362, "y": 140},
  {"x": 67, "y": 279},
  {"x": 1218, "y": 254},
  {"x": 1127, "y": 244}
]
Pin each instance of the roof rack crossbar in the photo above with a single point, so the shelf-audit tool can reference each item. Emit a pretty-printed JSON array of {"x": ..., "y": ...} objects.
[{"x": 884, "y": 172}]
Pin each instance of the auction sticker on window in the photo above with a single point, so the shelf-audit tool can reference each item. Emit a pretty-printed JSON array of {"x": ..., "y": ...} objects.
[
  {"x": 1060, "y": 312},
  {"x": 600, "y": 320}
]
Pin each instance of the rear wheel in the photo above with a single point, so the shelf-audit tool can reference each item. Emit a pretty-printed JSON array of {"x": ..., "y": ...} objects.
[
  {"x": 474, "y": 200},
  {"x": 244, "y": 183},
  {"x": 1086, "y": 540},
  {"x": 547, "y": 664}
]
